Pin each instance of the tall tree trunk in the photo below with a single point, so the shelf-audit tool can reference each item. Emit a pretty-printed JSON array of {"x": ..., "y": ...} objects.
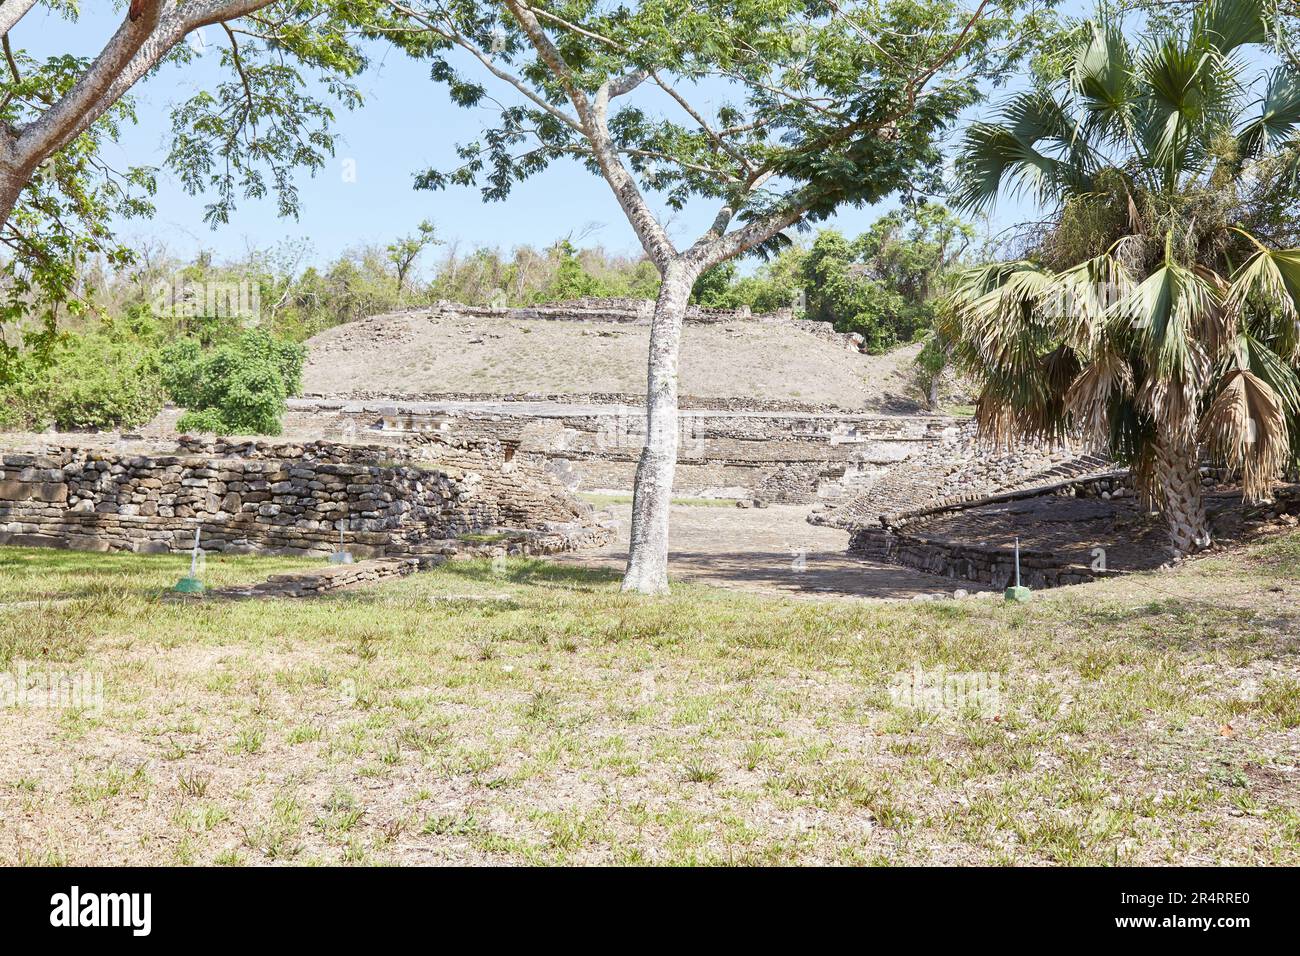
[
  {"x": 647, "y": 563},
  {"x": 1179, "y": 475}
]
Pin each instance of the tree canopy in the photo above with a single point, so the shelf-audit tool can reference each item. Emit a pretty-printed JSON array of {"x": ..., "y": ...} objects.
[
  {"x": 779, "y": 111},
  {"x": 289, "y": 63}
]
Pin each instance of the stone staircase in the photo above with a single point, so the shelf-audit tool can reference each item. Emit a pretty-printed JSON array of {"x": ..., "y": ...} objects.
[{"x": 957, "y": 469}]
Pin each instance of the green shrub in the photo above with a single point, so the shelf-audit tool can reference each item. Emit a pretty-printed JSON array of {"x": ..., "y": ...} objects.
[
  {"x": 106, "y": 384},
  {"x": 238, "y": 387},
  {"x": 99, "y": 379}
]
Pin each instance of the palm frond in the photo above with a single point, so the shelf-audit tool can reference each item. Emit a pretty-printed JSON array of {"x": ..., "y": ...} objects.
[
  {"x": 1088, "y": 292},
  {"x": 1250, "y": 354},
  {"x": 1159, "y": 318},
  {"x": 1246, "y": 428},
  {"x": 1269, "y": 281},
  {"x": 1132, "y": 440},
  {"x": 1029, "y": 406},
  {"x": 1279, "y": 116},
  {"x": 1034, "y": 147},
  {"x": 1231, "y": 23},
  {"x": 1092, "y": 396},
  {"x": 1010, "y": 343},
  {"x": 1161, "y": 315},
  {"x": 1172, "y": 402},
  {"x": 1219, "y": 322},
  {"x": 1102, "y": 77},
  {"x": 1188, "y": 92},
  {"x": 1175, "y": 72}
]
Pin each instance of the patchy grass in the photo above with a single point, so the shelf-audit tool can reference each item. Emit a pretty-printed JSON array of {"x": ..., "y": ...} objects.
[{"x": 540, "y": 716}]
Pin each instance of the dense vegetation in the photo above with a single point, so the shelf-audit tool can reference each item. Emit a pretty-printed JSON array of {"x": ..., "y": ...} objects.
[
  {"x": 238, "y": 387},
  {"x": 222, "y": 339}
]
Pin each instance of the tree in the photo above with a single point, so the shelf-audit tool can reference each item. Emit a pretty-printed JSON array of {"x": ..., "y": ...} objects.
[
  {"x": 245, "y": 137},
  {"x": 819, "y": 104},
  {"x": 714, "y": 288},
  {"x": 885, "y": 284},
  {"x": 571, "y": 280},
  {"x": 238, "y": 387},
  {"x": 1153, "y": 312},
  {"x": 403, "y": 253}
]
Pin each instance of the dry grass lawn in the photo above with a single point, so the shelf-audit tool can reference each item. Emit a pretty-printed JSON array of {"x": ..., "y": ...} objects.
[{"x": 538, "y": 716}]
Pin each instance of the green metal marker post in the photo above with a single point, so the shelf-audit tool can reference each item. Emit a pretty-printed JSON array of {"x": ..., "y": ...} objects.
[
  {"x": 190, "y": 584},
  {"x": 1017, "y": 592}
]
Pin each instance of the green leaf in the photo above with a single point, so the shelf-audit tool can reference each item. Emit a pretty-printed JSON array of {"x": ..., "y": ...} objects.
[{"x": 1231, "y": 23}]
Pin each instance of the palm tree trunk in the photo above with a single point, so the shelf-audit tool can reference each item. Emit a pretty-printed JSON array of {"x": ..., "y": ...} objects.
[
  {"x": 1179, "y": 476},
  {"x": 647, "y": 561}
]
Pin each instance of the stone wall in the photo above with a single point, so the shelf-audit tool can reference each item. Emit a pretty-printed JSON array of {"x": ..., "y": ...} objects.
[
  {"x": 314, "y": 401},
  {"x": 291, "y": 499},
  {"x": 910, "y": 539},
  {"x": 781, "y": 457},
  {"x": 623, "y": 310},
  {"x": 604, "y": 310}
]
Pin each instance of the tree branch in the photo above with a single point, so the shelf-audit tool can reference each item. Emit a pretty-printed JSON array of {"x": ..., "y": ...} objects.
[
  {"x": 134, "y": 49},
  {"x": 593, "y": 116},
  {"x": 239, "y": 68},
  {"x": 454, "y": 36},
  {"x": 952, "y": 51},
  {"x": 11, "y": 11}
]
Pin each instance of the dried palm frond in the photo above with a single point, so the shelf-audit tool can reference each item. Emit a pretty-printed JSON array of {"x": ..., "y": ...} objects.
[
  {"x": 1172, "y": 402},
  {"x": 1085, "y": 295},
  {"x": 1246, "y": 428},
  {"x": 1089, "y": 397},
  {"x": 995, "y": 423},
  {"x": 1219, "y": 322}
]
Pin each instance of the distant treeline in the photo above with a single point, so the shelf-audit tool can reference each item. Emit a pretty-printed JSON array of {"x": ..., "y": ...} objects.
[{"x": 221, "y": 338}]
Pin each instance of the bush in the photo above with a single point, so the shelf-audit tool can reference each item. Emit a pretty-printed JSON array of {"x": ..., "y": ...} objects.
[
  {"x": 91, "y": 380},
  {"x": 105, "y": 384},
  {"x": 239, "y": 387}
]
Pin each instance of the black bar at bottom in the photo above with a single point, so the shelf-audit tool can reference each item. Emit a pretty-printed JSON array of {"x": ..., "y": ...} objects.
[{"x": 335, "y": 906}]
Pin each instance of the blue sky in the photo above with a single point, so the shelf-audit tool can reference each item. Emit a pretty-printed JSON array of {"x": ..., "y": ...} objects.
[{"x": 406, "y": 125}]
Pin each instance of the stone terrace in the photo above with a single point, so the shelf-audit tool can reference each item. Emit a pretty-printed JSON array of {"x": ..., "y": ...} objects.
[
  {"x": 958, "y": 469},
  {"x": 779, "y": 457},
  {"x": 291, "y": 499}
]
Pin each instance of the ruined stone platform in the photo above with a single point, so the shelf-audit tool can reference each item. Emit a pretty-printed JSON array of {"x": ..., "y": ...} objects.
[
  {"x": 316, "y": 583},
  {"x": 307, "y": 499}
]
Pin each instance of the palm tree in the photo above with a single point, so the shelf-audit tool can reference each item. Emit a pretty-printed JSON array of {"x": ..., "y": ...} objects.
[{"x": 1155, "y": 312}]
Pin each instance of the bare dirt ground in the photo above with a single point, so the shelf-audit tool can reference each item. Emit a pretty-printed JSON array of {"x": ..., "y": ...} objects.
[
  {"x": 768, "y": 551},
  {"x": 411, "y": 354}
]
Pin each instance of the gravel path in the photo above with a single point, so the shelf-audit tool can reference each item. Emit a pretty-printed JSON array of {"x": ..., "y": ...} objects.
[{"x": 769, "y": 550}]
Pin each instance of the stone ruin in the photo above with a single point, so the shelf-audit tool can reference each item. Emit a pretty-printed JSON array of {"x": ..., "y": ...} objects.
[
  {"x": 626, "y": 310},
  {"x": 286, "y": 499},
  {"x": 743, "y": 447},
  {"x": 958, "y": 508},
  {"x": 726, "y": 449},
  {"x": 439, "y": 474},
  {"x": 958, "y": 469}
]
